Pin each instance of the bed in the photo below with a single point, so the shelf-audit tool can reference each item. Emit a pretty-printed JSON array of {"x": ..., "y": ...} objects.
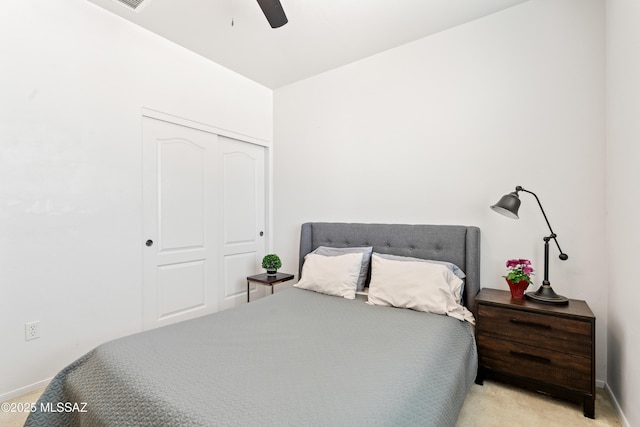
[{"x": 298, "y": 357}]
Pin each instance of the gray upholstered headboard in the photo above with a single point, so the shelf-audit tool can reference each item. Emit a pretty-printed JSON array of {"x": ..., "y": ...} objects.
[{"x": 454, "y": 243}]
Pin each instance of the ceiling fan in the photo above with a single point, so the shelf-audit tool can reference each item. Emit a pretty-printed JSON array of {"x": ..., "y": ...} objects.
[{"x": 274, "y": 12}]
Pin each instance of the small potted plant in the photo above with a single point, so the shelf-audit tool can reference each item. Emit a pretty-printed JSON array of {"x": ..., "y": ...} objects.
[
  {"x": 272, "y": 263},
  {"x": 519, "y": 276}
]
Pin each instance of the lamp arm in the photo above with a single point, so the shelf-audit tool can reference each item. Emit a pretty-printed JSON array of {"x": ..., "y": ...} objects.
[{"x": 553, "y": 235}]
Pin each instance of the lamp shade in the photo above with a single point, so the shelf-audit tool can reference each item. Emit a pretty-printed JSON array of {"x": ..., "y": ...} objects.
[{"x": 508, "y": 205}]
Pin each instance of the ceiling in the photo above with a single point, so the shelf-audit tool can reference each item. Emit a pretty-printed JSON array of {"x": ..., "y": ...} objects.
[{"x": 321, "y": 34}]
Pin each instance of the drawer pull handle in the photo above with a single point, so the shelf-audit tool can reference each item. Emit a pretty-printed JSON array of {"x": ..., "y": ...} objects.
[
  {"x": 530, "y": 357},
  {"x": 533, "y": 324}
]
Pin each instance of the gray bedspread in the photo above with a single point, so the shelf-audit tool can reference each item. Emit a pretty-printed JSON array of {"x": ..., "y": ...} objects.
[{"x": 296, "y": 358}]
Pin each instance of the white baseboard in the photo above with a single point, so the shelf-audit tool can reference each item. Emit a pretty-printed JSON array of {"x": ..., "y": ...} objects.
[
  {"x": 24, "y": 390},
  {"x": 616, "y": 405}
]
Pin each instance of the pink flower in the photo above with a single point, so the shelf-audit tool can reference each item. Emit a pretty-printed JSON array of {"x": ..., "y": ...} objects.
[{"x": 519, "y": 270}]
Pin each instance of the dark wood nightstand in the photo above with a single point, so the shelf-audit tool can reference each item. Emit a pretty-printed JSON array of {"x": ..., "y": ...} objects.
[
  {"x": 541, "y": 347},
  {"x": 268, "y": 280}
]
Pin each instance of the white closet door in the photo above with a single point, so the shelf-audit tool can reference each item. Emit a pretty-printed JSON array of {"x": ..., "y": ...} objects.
[
  {"x": 179, "y": 223},
  {"x": 204, "y": 214},
  {"x": 242, "y": 186}
]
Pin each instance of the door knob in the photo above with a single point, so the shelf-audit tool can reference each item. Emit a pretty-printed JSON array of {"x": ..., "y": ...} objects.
[
  {"x": 149, "y": 242},
  {"x": 261, "y": 233}
]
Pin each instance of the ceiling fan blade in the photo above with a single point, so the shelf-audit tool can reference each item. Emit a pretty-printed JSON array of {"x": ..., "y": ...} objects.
[{"x": 274, "y": 12}]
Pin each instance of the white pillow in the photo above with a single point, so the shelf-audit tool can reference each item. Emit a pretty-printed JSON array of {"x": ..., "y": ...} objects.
[
  {"x": 451, "y": 266},
  {"x": 416, "y": 285},
  {"x": 331, "y": 275},
  {"x": 366, "y": 259}
]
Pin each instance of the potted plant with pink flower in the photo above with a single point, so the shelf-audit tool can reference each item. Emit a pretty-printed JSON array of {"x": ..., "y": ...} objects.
[{"x": 519, "y": 276}]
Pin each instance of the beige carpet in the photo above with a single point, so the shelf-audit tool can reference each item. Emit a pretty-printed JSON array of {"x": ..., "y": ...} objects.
[
  {"x": 17, "y": 419},
  {"x": 493, "y": 404},
  {"x": 496, "y": 404}
]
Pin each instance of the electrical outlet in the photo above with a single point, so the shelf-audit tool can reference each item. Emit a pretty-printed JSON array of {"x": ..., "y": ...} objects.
[{"x": 31, "y": 330}]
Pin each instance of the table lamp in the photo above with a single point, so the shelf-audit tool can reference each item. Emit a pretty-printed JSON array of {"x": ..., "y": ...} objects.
[{"x": 508, "y": 206}]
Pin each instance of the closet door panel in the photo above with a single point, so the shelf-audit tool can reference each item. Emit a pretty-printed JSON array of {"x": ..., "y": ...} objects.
[{"x": 243, "y": 217}]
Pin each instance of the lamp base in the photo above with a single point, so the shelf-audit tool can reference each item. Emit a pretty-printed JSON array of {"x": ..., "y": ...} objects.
[{"x": 546, "y": 295}]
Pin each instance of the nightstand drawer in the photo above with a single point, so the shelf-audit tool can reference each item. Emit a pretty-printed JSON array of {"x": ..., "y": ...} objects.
[
  {"x": 560, "y": 369},
  {"x": 550, "y": 332}
]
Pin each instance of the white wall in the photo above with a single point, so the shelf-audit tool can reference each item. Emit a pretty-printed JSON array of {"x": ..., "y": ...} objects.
[
  {"x": 74, "y": 80},
  {"x": 439, "y": 129},
  {"x": 623, "y": 203}
]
